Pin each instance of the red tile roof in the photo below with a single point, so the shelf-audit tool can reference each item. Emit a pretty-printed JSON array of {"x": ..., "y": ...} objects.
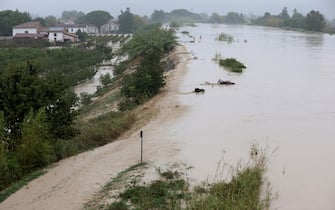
[{"x": 29, "y": 25}]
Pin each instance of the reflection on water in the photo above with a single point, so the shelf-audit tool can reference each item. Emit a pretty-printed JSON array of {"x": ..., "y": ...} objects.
[
  {"x": 285, "y": 99},
  {"x": 91, "y": 85}
]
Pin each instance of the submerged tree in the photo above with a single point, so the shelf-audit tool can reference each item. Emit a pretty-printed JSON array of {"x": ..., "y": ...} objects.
[{"x": 315, "y": 21}]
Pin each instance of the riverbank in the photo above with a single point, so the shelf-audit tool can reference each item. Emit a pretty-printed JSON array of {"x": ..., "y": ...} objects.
[{"x": 71, "y": 182}]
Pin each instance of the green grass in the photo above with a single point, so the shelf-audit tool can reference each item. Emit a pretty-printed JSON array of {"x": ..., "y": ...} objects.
[
  {"x": 232, "y": 65},
  {"x": 171, "y": 190},
  {"x": 225, "y": 38},
  {"x": 19, "y": 184}
]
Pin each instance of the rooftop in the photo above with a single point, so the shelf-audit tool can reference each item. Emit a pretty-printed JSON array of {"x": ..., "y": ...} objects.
[{"x": 34, "y": 24}]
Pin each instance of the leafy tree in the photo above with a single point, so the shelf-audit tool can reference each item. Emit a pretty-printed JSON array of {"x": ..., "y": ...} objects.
[
  {"x": 98, "y": 18},
  {"x": 35, "y": 150},
  {"x": 82, "y": 35},
  {"x": 216, "y": 18},
  {"x": 267, "y": 15},
  {"x": 156, "y": 41},
  {"x": 22, "y": 89},
  {"x": 315, "y": 21},
  {"x": 72, "y": 14},
  {"x": 9, "y": 18},
  {"x": 158, "y": 16},
  {"x": 234, "y": 18},
  {"x": 284, "y": 14},
  {"x": 50, "y": 21},
  {"x": 61, "y": 115},
  {"x": 144, "y": 83},
  {"x": 127, "y": 22},
  {"x": 297, "y": 20}
]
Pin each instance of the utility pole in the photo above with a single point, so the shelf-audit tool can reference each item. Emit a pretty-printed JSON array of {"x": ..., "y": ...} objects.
[{"x": 141, "y": 135}]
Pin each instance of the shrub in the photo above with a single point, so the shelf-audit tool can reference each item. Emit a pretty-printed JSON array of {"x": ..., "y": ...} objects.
[
  {"x": 232, "y": 64},
  {"x": 35, "y": 150}
]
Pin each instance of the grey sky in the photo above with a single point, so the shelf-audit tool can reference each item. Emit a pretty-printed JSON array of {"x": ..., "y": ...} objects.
[{"x": 146, "y": 7}]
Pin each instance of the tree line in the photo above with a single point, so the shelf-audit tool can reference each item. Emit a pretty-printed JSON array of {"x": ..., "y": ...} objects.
[{"x": 312, "y": 21}]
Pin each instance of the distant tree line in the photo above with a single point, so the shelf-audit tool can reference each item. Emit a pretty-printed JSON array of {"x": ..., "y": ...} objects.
[
  {"x": 130, "y": 23},
  {"x": 312, "y": 21}
]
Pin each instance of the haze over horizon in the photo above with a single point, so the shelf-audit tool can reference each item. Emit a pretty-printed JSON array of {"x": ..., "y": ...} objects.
[{"x": 146, "y": 7}]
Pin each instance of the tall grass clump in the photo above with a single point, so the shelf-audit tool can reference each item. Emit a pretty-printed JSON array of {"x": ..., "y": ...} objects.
[
  {"x": 243, "y": 191},
  {"x": 243, "y": 188},
  {"x": 225, "y": 38},
  {"x": 104, "y": 129}
]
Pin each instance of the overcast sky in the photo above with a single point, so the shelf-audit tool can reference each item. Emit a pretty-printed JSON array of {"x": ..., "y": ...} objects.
[{"x": 146, "y": 7}]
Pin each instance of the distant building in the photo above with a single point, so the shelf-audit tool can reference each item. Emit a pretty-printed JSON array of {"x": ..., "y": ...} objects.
[
  {"x": 29, "y": 30},
  {"x": 111, "y": 27},
  {"x": 73, "y": 28},
  {"x": 34, "y": 30},
  {"x": 58, "y": 34}
]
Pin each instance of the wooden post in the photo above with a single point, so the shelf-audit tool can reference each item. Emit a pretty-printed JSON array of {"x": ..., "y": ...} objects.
[{"x": 141, "y": 135}]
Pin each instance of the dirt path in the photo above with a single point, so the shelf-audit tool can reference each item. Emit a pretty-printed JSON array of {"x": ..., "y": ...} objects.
[{"x": 73, "y": 181}]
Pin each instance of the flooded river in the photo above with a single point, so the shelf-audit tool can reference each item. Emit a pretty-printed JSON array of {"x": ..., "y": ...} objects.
[{"x": 284, "y": 100}]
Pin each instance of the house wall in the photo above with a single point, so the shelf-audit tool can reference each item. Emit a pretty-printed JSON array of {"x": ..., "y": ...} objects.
[
  {"x": 74, "y": 30},
  {"x": 56, "y": 35},
  {"x": 92, "y": 30},
  {"x": 24, "y": 30}
]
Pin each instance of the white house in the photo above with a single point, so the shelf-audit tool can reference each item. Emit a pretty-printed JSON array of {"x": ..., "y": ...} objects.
[
  {"x": 29, "y": 30},
  {"x": 73, "y": 28},
  {"x": 91, "y": 29},
  {"x": 110, "y": 27},
  {"x": 58, "y": 34}
]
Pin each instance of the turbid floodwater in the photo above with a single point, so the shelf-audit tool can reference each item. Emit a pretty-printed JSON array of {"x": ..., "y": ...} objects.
[
  {"x": 90, "y": 86},
  {"x": 284, "y": 101}
]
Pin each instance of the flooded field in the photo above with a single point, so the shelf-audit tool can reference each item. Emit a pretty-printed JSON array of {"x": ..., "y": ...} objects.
[
  {"x": 91, "y": 85},
  {"x": 284, "y": 101}
]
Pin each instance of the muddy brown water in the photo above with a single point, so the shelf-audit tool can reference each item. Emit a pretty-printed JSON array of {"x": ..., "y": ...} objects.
[
  {"x": 90, "y": 86},
  {"x": 284, "y": 101}
]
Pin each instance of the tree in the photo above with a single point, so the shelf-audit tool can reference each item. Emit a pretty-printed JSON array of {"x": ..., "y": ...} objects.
[
  {"x": 9, "y": 18},
  {"x": 50, "y": 21},
  {"x": 72, "y": 14},
  {"x": 158, "y": 16},
  {"x": 127, "y": 22},
  {"x": 234, "y": 18},
  {"x": 297, "y": 20},
  {"x": 24, "y": 89},
  {"x": 82, "y": 35},
  {"x": 98, "y": 18},
  {"x": 215, "y": 18},
  {"x": 284, "y": 14},
  {"x": 145, "y": 82},
  {"x": 315, "y": 21},
  {"x": 156, "y": 41}
]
